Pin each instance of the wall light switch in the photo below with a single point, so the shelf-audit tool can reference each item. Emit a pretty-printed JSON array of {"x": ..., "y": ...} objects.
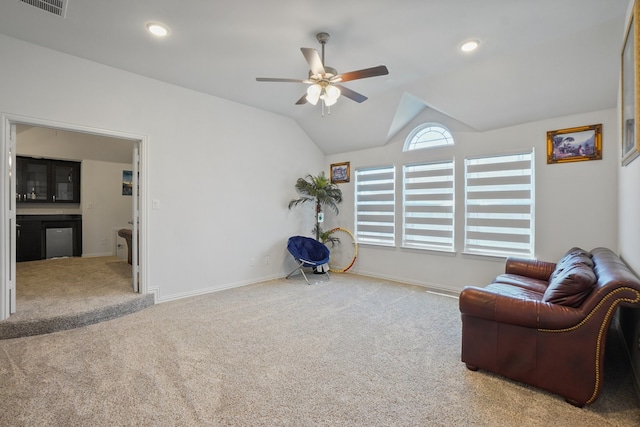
[{"x": 155, "y": 204}]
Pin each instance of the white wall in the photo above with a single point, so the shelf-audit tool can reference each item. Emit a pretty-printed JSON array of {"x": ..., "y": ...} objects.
[
  {"x": 223, "y": 173},
  {"x": 103, "y": 206},
  {"x": 629, "y": 217},
  {"x": 576, "y": 203},
  {"x": 629, "y": 249},
  {"x": 629, "y": 237},
  {"x": 629, "y": 201}
]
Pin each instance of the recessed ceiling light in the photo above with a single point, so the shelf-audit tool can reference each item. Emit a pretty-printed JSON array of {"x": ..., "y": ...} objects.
[
  {"x": 469, "y": 46},
  {"x": 157, "y": 29}
]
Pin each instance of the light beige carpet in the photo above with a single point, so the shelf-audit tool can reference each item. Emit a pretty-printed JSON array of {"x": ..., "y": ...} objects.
[{"x": 347, "y": 352}]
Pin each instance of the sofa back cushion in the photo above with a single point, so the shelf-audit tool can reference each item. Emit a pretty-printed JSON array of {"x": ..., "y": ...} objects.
[
  {"x": 571, "y": 285},
  {"x": 573, "y": 256}
]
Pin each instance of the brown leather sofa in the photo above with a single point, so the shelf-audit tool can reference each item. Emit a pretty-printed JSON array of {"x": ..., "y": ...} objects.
[{"x": 545, "y": 324}]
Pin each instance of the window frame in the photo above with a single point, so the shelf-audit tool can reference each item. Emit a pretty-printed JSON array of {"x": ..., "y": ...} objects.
[
  {"x": 368, "y": 232},
  {"x": 428, "y": 208},
  {"x": 505, "y": 198},
  {"x": 412, "y": 142}
]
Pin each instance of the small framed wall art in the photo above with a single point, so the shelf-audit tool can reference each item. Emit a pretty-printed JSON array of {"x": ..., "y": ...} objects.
[
  {"x": 574, "y": 144},
  {"x": 339, "y": 172},
  {"x": 127, "y": 183}
]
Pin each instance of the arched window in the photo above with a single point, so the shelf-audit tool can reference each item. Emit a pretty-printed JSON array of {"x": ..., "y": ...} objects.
[{"x": 428, "y": 135}]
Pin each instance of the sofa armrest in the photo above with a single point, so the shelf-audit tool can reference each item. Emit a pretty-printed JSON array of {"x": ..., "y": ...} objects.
[
  {"x": 535, "y": 269},
  {"x": 495, "y": 305}
]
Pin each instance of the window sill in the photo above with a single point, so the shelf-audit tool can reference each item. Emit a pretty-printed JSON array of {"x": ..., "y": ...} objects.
[
  {"x": 485, "y": 256},
  {"x": 375, "y": 245},
  {"x": 430, "y": 250}
]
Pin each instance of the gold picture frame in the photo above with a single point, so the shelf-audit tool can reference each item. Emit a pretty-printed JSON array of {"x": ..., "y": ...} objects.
[
  {"x": 340, "y": 172},
  {"x": 630, "y": 84},
  {"x": 574, "y": 144}
]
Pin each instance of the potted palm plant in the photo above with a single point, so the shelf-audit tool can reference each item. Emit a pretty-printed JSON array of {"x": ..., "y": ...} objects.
[{"x": 320, "y": 191}]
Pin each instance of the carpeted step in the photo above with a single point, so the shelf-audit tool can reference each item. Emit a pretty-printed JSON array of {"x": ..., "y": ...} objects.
[{"x": 24, "y": 328}]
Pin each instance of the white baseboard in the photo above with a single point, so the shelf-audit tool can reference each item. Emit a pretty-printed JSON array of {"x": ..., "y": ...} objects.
[
  {"x": 97, "y": 255},
  {"x": 212, "y": 289},
  {"x": 431, "y": 287}
]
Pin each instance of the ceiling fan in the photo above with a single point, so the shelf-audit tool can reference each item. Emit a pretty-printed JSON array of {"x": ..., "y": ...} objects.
[{"x": 324, "y": 80}]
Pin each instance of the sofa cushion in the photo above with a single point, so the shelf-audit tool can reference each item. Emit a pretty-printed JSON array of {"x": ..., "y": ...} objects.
[
  {"x": 523, "y": 282},
  {"x": 571, "y": 286},
  {"x": 578, "y": 251},
  {"x": 573, "y": 256}
]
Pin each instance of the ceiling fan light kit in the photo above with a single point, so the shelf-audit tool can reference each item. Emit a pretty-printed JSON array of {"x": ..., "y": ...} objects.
[
  {"x": 313, "y": 93},
  {"x": 328, "y": 93},
  {"x": 324, "y": 80},
  {"x": 331, "y": 95}
]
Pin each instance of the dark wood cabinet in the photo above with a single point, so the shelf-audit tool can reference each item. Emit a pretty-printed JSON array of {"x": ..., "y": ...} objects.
[
  {"x": 47, "y": 181},
  {"x": 29, "y": 241},
  {"x": 31, "y": 235}
]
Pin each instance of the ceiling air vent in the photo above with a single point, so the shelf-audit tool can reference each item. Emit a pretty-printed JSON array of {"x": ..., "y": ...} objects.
[{"x": 57, "y": 7}]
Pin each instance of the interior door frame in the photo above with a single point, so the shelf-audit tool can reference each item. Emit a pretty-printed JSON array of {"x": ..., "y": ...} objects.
[
  {"x": 8, "y": 215},
  {"x": 8, "y": 228},
  {"x": 135, "y": 217}
]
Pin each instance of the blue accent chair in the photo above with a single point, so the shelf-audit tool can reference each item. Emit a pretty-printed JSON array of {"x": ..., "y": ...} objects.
[{"x": 308, "y": 252}]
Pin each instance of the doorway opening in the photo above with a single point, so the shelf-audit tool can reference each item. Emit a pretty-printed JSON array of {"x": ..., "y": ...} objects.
[{"x": 107, "y": 158}]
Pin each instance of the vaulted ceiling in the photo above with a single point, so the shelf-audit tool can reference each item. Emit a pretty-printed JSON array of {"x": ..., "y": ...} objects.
[{"x": 537, "y": 58}]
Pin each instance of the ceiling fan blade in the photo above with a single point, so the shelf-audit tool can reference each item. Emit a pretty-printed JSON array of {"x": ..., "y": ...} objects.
[
  {"x": 269, "y": 79},
  {"x": 302, "y": 100},
  {"x": 380, "y": 70},
  {"x": 351, "y": 94},
  {"x": 312, "y": 57}
]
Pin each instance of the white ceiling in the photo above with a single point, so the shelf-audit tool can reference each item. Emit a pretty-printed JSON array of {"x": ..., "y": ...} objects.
[{"x": 537, "y": 58}]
